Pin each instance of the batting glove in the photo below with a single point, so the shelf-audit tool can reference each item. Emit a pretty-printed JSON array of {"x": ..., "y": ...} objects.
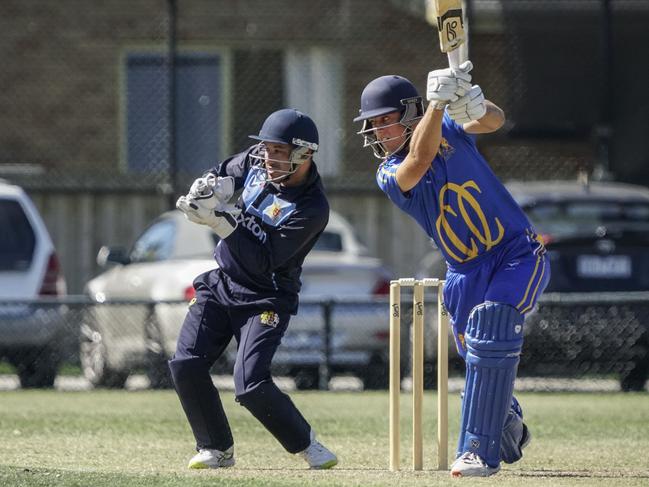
[
  {"x": 222, "y": 219},
  {"x": 447, "y": 85},
  {"x": 470, "y": 107}
]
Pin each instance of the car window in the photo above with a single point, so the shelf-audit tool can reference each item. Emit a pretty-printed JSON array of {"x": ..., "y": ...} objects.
[
  {"x": 17, "y": 240},
  {"x": 569, "y": 218},
  {"x": 329, "y": 242},
  {"x": 155, "y": 244}
]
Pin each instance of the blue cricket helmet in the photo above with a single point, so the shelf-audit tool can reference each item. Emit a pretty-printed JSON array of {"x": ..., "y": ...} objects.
[
  {"x": 289, "y": 126},
  {"x": 386, "y": 94}
]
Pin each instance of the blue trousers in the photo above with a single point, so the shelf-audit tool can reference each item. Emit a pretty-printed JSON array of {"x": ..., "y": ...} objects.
[
  {"x": 515, "y": 275},
  {"x": 206, "y": 332}
]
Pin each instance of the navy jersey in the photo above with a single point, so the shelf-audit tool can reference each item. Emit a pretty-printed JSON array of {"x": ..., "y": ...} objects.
[
  {"x": 261, "y": 261},
  {"x": 459, "y": 202}
]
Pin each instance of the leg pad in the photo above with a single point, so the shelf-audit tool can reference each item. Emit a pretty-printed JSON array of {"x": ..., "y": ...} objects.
[{"x": 494, "y": 338}]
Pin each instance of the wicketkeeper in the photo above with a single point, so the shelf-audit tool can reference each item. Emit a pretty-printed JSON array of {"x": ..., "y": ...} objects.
[
  {"x": 265, "y": 237},
  {"x": 497, "y": 267}
]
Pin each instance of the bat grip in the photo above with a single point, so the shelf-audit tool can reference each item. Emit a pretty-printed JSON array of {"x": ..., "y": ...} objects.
[{"x": 454, "y": 58}]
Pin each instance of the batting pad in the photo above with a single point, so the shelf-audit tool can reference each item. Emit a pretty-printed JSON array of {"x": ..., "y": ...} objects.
[{"x": 494, "y": 338}]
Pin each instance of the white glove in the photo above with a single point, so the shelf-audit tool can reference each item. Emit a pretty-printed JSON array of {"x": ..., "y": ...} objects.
[
  {"x": 447, "y": 85},
  {"x": 212, "y": 189},
  {"x": 222, "y": 218},
  {"x": 469, "y": 107}
]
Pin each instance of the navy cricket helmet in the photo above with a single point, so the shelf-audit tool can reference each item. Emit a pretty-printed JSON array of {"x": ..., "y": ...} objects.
[
  {"x": 286, "y": 126},
  {"x": 289, "y": 126},
  {"x": 384, "y": 95}
]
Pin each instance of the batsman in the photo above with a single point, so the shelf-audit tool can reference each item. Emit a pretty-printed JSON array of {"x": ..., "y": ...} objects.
[
  {"x": 264, "y": 239},
  {"x": 497, "y": 267}
]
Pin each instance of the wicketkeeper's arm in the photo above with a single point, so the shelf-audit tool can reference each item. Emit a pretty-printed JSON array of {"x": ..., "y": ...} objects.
[{"x": 263, "y": 254}]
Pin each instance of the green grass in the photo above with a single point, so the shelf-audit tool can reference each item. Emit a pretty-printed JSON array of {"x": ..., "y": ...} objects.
[{"x": 117, "y": 438}]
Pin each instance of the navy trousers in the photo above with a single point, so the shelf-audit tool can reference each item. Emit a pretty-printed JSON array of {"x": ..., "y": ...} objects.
[{"x": 206, "y": 332}]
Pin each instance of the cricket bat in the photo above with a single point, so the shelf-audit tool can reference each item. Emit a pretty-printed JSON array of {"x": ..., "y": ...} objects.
[{"x": 447, "y": 16}]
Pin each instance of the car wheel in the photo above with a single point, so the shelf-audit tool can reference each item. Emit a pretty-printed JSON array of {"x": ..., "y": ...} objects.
[
  {"x": 635, "y": 379},
  {"x": 306, "y": 379},
  {"x": 430, "y": 374},
  {"x": 157, "y": 368},
  {"x": 633, "y": 382},
  {"x": 37, "y": 368},
  {"x": 376, "y": 375},
  {"x": 94, "y": 360}
]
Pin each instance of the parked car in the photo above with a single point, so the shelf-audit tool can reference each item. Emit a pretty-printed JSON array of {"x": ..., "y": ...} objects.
[
  {"x": 596, "y": 235},
  {"x": 31, "y": 335},
  {"x": 119, "y": 335},
  {"x": 597, "y": 240}
]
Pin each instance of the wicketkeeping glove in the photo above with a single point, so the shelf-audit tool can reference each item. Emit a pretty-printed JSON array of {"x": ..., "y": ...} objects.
[
  {"x": 212, "y": 189},
  {"x": 469, "y": 107},
  {"x": 447, "y": 85},
  {"x": 222, "y": 217}
]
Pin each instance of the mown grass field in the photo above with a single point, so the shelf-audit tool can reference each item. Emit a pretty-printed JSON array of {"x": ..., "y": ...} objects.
[{"x": 119, "y": 438}]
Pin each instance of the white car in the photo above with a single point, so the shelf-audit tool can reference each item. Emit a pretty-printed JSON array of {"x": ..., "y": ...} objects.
[
  {"x": 32, "y": 336},
  {"x": 141, "y": 302}
]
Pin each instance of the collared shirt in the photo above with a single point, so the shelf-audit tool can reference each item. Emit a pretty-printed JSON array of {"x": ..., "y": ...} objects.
[
  {"x": 261, "y": 261},
  {"x": 459, "y": 202}
]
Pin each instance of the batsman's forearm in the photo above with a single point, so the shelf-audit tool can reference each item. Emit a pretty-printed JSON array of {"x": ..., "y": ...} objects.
[
  {"x": 427, "y": 136},
  {"x": 424, "y": 145},
  {"x": 490, "y": 122}
]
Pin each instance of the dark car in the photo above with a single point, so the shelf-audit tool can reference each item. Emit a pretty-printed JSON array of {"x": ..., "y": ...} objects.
[
  {"x": 597, "y": 239},
  {"x": 597, "y": 235}
]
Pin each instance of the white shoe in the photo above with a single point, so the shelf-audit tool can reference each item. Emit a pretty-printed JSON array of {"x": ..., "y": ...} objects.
[
  {"x": 318, "y": 456},
  {"x": 206, "y": 458},
  {"x": 471, "y": 465}
]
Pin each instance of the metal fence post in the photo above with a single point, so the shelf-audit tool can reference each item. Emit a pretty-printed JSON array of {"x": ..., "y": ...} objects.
[
  {"x": 325, "y": 365},
  {"x": 172, "y": 83}
]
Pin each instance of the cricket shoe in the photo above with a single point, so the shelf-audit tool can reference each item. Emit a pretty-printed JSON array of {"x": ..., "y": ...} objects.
[
  {"x": 471, "y": 465},
  {"x": 206, "y": 458},
  {"x": 318, "y": 456}
]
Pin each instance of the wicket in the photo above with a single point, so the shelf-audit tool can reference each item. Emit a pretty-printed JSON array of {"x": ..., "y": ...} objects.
[{"x": 417, "y": 338}]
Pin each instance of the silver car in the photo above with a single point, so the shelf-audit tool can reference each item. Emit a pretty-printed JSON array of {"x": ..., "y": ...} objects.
[
  {"x": 141, "y": 301},
  {"x": 33, "y": 336}
]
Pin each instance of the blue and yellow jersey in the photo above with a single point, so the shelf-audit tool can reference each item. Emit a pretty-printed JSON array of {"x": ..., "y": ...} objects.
[{"x": 459, "y": 202}]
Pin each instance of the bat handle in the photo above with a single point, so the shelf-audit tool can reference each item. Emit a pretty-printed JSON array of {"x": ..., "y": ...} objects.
[{"x": 454, "y": 58}]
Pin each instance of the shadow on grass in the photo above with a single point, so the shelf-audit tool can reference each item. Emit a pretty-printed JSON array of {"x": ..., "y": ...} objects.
[{"x": 587, "y": 474}]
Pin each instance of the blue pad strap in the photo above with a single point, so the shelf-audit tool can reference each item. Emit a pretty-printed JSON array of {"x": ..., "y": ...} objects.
[{"x": 494, "y": 338}]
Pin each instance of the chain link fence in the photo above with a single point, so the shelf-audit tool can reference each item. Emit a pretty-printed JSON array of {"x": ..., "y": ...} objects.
[
  {"x": 148, "y": 93},
  {"x": 140, "y": 96},
  {"x": 581, "y": 336}
]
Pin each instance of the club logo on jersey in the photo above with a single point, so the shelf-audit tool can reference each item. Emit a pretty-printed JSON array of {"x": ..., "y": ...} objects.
[
  {"x": 269, "y": 318},
  {"x": 446, "y": 150},
  {"x": 275, "y": 210},
  {"x": 473, "y": 217}
]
